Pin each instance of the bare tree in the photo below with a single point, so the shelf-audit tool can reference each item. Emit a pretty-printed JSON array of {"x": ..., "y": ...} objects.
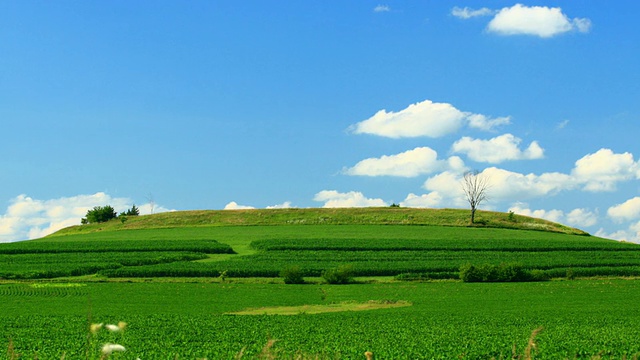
[{"x": 475, "y": 185}]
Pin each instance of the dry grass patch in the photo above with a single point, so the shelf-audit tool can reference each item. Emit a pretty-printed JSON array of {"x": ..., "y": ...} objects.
[{"x": 323, "y": 308}]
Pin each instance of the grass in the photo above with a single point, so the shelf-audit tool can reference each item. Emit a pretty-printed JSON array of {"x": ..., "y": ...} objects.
[
  {"x": 581, "y": 319},
  {"x": 316, "y": 216}
]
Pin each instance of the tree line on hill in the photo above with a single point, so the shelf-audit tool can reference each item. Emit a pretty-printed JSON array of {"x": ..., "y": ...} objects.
[{"x": 105, "y": 213}]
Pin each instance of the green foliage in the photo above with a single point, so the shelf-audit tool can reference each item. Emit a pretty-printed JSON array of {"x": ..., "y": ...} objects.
[
  {"x": 38, "y": 259},
  {"x": 99, "y": 214},
  {"x": 342, "y": 274},
  {"x": 292, "y": 275},
  {"x": 581, "y": 320},
  {"x": 134, "y": 211},
  {"x": 502, "y": 272}
]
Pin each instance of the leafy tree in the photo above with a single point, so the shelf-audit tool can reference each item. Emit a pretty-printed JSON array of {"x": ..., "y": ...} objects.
[
  {"x": 475, "y": 185},
  {"x": 134, "y": 211},
  {"x": 99, "y": 214}
]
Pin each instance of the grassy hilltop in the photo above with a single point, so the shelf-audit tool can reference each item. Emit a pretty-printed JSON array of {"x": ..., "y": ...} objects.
[{"x": 317, "y": 216}]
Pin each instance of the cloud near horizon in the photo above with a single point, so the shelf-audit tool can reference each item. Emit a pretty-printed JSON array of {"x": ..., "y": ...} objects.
[
  {"x": 577, "y": 217},
  {"x": 411, "y": 163},
  {"x": 335, "y": 199},
  {"x": 28, "y": 218},
  {"x": 541, "y": 21},
  {"x": 424, "y": 119}
]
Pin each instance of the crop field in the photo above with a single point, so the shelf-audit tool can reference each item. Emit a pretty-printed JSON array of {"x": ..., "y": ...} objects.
[
  {"x": 580, "y": 319},
  {"x": 181, "y": 290},
  {"x": 264, "y": 251}
]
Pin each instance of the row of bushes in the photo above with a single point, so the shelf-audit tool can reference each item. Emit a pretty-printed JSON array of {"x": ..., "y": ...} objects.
[
  {"x": 339, "y": 275},
  {"x": 500, "y": 273}
]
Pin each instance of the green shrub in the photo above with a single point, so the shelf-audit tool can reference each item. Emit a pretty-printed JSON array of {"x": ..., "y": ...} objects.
[
  {"x": 292, "y": 275},
  {"x": 505, "y": 272},
  {"x": 340, "y": 275},
  {"x": 99, "y": 214}
]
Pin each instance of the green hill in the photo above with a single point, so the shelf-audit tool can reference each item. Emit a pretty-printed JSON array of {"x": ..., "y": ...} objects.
[
  {"x": 414, "y": 243},
  {"x": 316, "y": 216}
]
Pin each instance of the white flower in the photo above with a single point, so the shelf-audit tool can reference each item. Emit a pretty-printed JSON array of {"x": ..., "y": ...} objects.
[
  {"x": 107, "y": 349},
  {"x": 112, "y": 327}
]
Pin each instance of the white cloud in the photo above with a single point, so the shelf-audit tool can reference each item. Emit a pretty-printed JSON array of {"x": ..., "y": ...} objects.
[
  {"x": 485, "y": 123},
  {"x": 577, "y": 217},
  {"x": 430, "y": 200},
  {"x": 335, "y": 199},
  {"x": 468, "y": 13},
  {"x": 284, "y": 205},
  {"x": 563, "y": 124},
  {"x": 28, "y": 218},
  {"x": 497, "y": 149},
  {"x": 411, "y": 163},
  {"x": 234, "y": 206},
  {"x": 551, "y": 215},
  {"x": 632, "y": 234},
  {"x": 628, "y": 210},
  {"x": 582, "y": 218},
  {"x": 381, "y": 8},
  {"x": 601, "y": 170},
  {"x": 539, "y": 21},
  {"x": 448, "y": 186},
  {"x": 512, "y": 186},
  {"x": 423, "y": 119}
]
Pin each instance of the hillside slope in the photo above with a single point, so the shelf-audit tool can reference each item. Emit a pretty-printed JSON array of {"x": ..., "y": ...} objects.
[{"x": 318, "y": 216}]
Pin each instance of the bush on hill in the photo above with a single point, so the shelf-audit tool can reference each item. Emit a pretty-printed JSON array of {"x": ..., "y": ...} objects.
[
  {"x": 99, "y": 214},
  {"x": 340, "y": 275},
  {"x": 498, "y": 273}
]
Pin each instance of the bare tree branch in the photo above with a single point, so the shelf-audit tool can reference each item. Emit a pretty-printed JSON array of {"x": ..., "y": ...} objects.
[{"x": 475, "y": 186}]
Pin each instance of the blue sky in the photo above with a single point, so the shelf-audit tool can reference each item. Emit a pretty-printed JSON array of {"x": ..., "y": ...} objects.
[{"x": 231, "y": 104}]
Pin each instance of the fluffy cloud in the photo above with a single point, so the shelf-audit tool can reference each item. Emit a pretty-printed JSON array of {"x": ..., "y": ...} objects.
[
  {"x": 430, "y": 200},
  {"x": 551, "y": 215},
  {"x": 334, "y": 199},
  {"x": 539, "y": 21},
  {"x": 284, "y": 205},
  {"x": 423, "y": 119},
  {"x": 28, "y": 218},
  {"x": 576, "y": 217},
  {"x": 497, "y": 150},
  {"x": 234, "y": 206},
  {"x": 628, "y": 210},
  {"x": 582, "y": 218},
  {"x": 468, "y": 13},
  {"x": 411, "y": 163},
  {"x": 601, "y": 170},
  {"x": 632, "y": 234}
]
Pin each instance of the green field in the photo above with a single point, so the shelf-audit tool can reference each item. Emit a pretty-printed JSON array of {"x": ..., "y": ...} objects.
[{"x": 161, "y": 275}]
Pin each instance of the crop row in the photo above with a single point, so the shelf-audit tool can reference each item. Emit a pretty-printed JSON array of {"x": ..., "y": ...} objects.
[
  {"x": 383, "y": 263},
  {"x": 46, "y": 265},
  {"x": 566, "y": 243},
  {"x": 39, "y": 247}
]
